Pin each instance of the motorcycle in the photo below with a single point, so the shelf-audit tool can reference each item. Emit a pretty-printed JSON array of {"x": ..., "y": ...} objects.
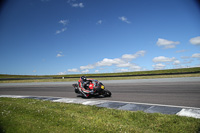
[{"x": 99, "y": 90}]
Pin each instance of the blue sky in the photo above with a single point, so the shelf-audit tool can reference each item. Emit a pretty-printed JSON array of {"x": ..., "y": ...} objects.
[{"x": 47, "y": 37}]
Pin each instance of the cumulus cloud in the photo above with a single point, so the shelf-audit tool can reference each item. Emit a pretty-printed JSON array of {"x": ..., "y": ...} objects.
[
  {"x": 181, "y": 51},
  {"x": 61, "y": 30},
  {"x": 85, "y": 71},
  {"x": 99, "y": 22},
  {"x": 124, "y": 61},
  {"x": 195, "y": 40},
  {"x": 124, "y": 19},
  {"x": 134, "y": 67},
  {"x": 125, "y": 64},
  {"x": 62, "y": 73},
  {"x": 196, "y": 55},
  {"x": 176, "y": 62},
  {"x": 187, "y": 61},
  {"x": 190, "y": 58},
  {"x": 163, "y": 59},
  {"x": 122, "y": 70},
  {"x": 158, "y": 66},
  {"x": 77, "y": 5},
  {"x": 133, "y": 56},
  {"x": 166, "y": 44},
  {"x": 59, "y": 54},
  {"x": 73, "y": 70},
  {"x": 64, "y": 22},
  {"x": 96, "y": 71},
  {"x": 109, "y": 62},
  {"x": 87, "y": 67},
  {"x": 185, "y": 57}
]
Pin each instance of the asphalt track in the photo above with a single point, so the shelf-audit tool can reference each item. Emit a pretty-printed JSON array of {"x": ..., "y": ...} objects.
[{"x": 170, "y": 91}]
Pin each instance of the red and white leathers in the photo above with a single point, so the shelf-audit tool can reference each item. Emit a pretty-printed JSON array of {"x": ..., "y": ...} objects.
[
  {"x": 93, "y": 84},
  {"x": 81, "y": 85}
]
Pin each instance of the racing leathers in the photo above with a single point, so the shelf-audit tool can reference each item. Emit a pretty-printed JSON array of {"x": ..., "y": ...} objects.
[{"x": 84, "y": 87}]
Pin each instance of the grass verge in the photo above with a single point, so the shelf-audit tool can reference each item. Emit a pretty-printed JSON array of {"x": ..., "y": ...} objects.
[
  {"x": 104, "y": 78},
  {"x": 170, "y": 73},
  {"x": 29, "y": 115}
]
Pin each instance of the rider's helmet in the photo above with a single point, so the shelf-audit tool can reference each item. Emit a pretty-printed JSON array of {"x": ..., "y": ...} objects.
[{"x": 84, "y": 78}]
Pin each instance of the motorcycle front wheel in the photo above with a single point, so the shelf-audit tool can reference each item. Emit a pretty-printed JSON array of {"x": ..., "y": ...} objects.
[{"x": 107, "y": 93}]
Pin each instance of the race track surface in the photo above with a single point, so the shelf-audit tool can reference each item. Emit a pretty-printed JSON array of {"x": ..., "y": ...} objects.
[{"x": 172, "y": 91}]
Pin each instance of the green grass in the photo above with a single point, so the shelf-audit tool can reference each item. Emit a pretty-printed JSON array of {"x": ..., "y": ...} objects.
[
  {"x": 167, "y": 71},
  {"x": 170, "y": 73},
  {"x": 104, "y": 78},
  {"x": 29, "y": 115}
]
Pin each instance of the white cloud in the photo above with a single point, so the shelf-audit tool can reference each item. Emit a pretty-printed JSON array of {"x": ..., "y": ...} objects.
[
  {"x": 64, "y": 22},
  {"x": 166, "y": 43},
  {"x": 196, "y": 55},
  {"x": 109, "y": 62},
  {"x": 163, "y": 59},
  {"x": 158, "y": 66},
  {"x": 122, "y": 70},
  {"x": 73, "y": 70},
  {"x": 187, "y": 61},
  {"x": 134, "y": 67},
  {"x": 131, "y": 67},
  {"x": 124, "y": 61},
  {"x": 85, "y": 71},
  {"x": 197, "y": 65},
  {"x": 96, "y": 71},
  {"x": 59, "y": 54},
  {"x": 77, "y": 5},
  {"x": 163, "y": 62},
  {"x": 119, "y": 62},
  {"x": 195, "y": 40},
  {"x": 176, "y": 62},
  {"x": 99, "y": 22},
  {"x": 126, "y": 64},
  {"x": 133, "y": 56},
  {"x": 181, "y": 51},
  {"x": 185, "y": 57},
  {"x": 60, "y": 31},
  {"x": 124, "y": 19},
  {"x": 62, "y": 73},
  {"x": 87, "y": 67}
]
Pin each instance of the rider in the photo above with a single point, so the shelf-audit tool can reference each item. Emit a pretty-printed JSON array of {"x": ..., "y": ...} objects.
[{"x": 82, "y": 86}]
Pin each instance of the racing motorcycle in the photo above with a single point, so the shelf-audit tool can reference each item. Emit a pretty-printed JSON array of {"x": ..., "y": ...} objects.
[{"x": 99, "y": 90}]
